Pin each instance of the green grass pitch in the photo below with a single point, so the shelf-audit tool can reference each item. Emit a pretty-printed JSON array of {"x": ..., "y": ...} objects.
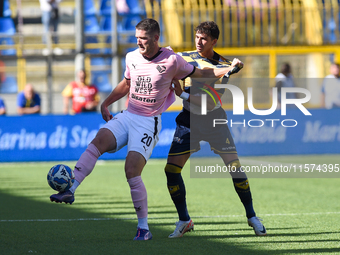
[{"x": 301, "y": 215}]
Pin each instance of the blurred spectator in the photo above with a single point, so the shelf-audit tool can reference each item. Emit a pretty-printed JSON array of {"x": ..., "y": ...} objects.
[
  {"x": 122, "y": 6},
  {"x": 284, "y": 80},
  {"x": 330, "y": 91},
  {"x": 85, "y": 98},
  {"x": 28, "y": 101},
  {"x": 2, "y": 107},
  {"x": 50, "y": 20}
]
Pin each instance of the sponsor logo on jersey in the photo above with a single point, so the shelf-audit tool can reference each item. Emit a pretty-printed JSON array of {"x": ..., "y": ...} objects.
[
  {"x": 143, "y": 99},
  {"x": 143, "y": 85},
  {"x": 177, "y": 140}
]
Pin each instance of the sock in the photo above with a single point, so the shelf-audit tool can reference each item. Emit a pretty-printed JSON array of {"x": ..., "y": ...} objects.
[
  {"x": 143, "y": 223},
  {"x": 176, "y": 189},
  {"x": 184, "y": 221},
  {"x": 139, "y": 199},
  {"x": 74, "y": 186},
  {"x": 86, "y": 162},
  {"x": 243, "y": 190}
]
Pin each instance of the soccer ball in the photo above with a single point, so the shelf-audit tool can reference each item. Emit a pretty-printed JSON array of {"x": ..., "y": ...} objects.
[{"x": 60, "y": 178}]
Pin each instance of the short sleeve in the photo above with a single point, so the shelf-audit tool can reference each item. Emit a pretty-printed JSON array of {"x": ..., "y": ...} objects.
[
  {"x": 37, "y": 100},
  {"x": 67, "y": 92},
  {"x": 127, "y": 70},
  {"x": 21, "y": 100},
  {"x": 184, "y": 69},
  {"x": 2, "y": 104}
]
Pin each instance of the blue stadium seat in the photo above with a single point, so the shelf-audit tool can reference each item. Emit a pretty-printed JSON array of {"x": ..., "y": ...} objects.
[
  {"x": 135, "y": 8},
  {"x": 105, "y": 23},
  {"x": 130, "y": 21},
  {"x": 89, "y": 8},
  {"x": 92, "y": 40},
  {"x": 7, "y": 11},
  {"x": 7, "y": 41},
  {"x": 10, "y": 85},
  {"x": 91, "y": 24},
  {"x": 101, "y": 80},
  {"x": 7, "y": 27},
  {"x": 105, "y": 7},
  {"x": 126, "y": 23},
  {"x": 98, "y": 62}
]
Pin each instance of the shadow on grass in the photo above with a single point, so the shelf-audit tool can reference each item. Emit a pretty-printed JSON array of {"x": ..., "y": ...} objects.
[{"x": 29, "y": 226}]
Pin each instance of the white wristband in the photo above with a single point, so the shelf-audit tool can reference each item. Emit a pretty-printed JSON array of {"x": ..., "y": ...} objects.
[{"x": 184, "y": 96}]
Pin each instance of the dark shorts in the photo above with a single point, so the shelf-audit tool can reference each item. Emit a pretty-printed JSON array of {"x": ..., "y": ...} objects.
[{"x": 186, "y": 139}]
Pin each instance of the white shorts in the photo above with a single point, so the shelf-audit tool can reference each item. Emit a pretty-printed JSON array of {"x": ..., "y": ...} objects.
[{"x": 139, "y": 133}]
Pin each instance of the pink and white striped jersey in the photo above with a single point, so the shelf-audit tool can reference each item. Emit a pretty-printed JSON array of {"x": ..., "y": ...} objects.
[{"x": 150, "y": 92}]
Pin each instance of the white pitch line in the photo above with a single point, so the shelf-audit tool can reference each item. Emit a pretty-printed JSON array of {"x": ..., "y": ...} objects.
[{"x": 157, "y": 218}]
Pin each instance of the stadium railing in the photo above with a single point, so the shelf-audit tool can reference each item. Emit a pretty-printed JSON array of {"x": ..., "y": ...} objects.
[
  {"x": 250, "y": 23},
  {"x": 268, "y": 31}
]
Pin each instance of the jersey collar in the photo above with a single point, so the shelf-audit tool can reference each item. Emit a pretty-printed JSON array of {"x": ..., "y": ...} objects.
[{"x": 155, "y": 56}]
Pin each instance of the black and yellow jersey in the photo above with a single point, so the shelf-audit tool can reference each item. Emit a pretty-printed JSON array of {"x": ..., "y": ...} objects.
[{"x": 201, "y": 86}]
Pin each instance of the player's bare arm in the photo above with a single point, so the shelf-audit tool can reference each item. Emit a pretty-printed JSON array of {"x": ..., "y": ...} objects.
[
  {"x": 177, "y": 87},
  {"x": 211, "y": 71},
  {"x": 216, "y": 72},
  {"x": 29, "y": 110},
  {"x": 120, "y": 91}
]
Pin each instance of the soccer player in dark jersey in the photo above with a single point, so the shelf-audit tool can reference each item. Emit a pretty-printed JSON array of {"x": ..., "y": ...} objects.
[{"x": 221, "y": 141}]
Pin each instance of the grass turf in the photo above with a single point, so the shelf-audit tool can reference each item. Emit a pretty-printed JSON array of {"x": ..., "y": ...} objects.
[{"x": 301, "y": 214}]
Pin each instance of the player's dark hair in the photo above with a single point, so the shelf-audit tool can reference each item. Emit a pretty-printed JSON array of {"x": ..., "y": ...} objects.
[
  {"x": 150, "y": 26},
  {"x": 285, "y": 68},
  {"x": 209, "y": 28}
]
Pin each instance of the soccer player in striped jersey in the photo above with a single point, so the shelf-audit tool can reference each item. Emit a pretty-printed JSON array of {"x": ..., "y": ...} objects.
[
  {"x": 148, "y": 75},
  {"x": 221, "y": 141}
]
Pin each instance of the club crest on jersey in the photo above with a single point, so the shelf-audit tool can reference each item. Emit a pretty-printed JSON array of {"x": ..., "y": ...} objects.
[
  {"x": 161, "y": 69},
  {"x": 194, "y": 55}
]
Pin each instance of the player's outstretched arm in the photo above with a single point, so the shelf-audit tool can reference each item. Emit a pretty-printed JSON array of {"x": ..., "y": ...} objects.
[
  {"x": 217, "y": 72},
  {"x": 176, "y": 86},
  {"x": 120, "y": 91}
]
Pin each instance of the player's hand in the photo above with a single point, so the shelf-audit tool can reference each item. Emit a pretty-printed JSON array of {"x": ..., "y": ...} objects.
[
  {"x": 105, "y": 113},
  {"x": 237, "y": 63},
  {"x": 176, "y": 86}
]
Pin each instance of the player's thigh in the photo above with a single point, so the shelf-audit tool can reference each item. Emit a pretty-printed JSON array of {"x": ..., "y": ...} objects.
[
  {"x": 227, "y": 158},
  {"x": 105, "y": 140},
  {"x": 178, "y": 160},
  {"x": 231, "y": 160},
  {"x": 118, "y": 127}
]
